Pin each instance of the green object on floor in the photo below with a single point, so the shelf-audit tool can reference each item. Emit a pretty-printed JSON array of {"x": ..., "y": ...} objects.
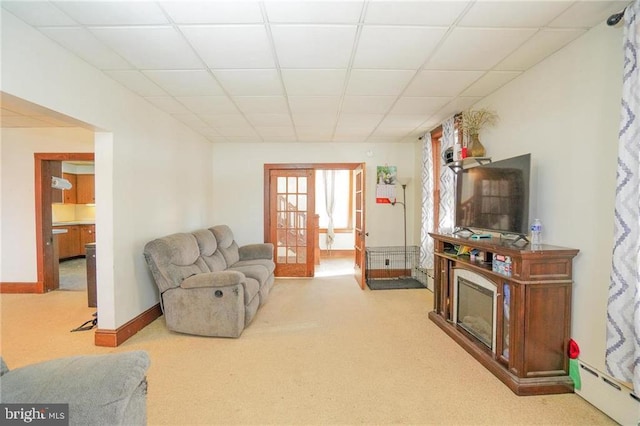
[{"x": 574, "y": 373}]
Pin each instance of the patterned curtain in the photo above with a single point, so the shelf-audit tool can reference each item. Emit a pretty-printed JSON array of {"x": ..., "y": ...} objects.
[
  {"x": 623, "y": 310},
  {"x": 447, "y": 190},
  {"x": 426, "y": 243}
]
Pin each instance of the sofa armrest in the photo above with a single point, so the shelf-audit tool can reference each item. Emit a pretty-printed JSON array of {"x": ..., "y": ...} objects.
[
  {"x": 256, "y": 251},
  {"x": 213, "y": 279},
  {"x": 98, "y": 388}
]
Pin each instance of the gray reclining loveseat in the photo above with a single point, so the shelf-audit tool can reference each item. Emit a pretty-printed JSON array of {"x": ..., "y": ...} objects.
[{"x": 210, "y": 286}]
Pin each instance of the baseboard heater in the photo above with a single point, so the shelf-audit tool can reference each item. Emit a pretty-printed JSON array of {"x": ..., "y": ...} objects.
[{"x": 610, "y": 396}]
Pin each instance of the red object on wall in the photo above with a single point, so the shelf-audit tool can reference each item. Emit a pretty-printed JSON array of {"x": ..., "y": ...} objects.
[{"x": 574, "y": 349}]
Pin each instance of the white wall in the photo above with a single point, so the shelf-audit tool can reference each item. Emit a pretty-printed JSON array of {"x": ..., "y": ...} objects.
[
  {"x": 565, "y": 112},
  {"x": 153, "y": 175},
  {"x": 17, "y": 189},
  {"x": 238, "y": 193}
]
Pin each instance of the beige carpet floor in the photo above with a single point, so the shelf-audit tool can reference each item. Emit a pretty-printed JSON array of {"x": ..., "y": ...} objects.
[{"x": 321, "y": 351}]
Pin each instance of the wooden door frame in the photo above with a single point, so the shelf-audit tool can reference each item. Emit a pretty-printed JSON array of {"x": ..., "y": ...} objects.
[
  {"x": 41, "y": 227},
  {"x": 295, "y": 166}
]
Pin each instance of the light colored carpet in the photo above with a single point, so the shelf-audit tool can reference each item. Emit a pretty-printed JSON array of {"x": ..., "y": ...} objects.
[{"x": 321, "y": 351}]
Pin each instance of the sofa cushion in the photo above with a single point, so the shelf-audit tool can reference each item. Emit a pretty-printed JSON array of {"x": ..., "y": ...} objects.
[
  {"x": 174, "y": 258},
  {"x": 209, "y": 250},
  {"x": 227, "y": 246},
  {"x": 257, "y": 272},
  {"x": 269, "y": 265},
  {"x": 251, "y": 289}
]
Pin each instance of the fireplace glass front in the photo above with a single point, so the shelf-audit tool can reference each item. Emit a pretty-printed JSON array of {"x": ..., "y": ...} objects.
[{"x": 475, "y": 310}]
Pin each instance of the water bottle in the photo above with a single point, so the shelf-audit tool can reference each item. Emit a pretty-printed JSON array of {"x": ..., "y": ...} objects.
[{"x": 536, "y": 232}]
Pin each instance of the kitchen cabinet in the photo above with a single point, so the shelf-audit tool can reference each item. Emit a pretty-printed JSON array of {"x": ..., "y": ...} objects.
[
  {"x": 85, "y": 189},
  {"x": 69, "y": 195},
  {"x": 72, "y": 244}
]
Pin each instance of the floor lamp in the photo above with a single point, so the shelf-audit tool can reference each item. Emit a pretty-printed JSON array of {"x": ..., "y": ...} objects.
[{"x": 403, "y": 182}]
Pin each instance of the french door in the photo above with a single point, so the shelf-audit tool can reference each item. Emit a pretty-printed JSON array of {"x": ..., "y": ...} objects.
[
  {"x": 292, "y": 212},
  {"x": 360, "y": 233}
]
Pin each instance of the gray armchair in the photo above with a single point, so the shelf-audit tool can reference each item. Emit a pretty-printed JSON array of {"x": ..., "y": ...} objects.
[{"x": 100, "y": 389}]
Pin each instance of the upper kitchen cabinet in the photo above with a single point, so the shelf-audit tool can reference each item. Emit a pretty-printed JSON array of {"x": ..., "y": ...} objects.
[
  {"x": 69, "y": 195},
  {"x": 85, "y": 189}
]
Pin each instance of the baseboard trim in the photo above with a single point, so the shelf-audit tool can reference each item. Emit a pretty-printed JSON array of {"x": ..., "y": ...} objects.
[
  {"x": 113, "y": 338},
  {"x": 337, "y": 253},
  {"x": 20, "y": 288}
]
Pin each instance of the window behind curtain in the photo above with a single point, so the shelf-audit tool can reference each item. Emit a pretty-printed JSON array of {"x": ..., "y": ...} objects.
[{"x": 342, "y": 213}]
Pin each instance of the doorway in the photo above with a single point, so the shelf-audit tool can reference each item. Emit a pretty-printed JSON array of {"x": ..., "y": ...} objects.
[
  {"x": 291, "y": 223},
  {"x": 48, "y": 165}
]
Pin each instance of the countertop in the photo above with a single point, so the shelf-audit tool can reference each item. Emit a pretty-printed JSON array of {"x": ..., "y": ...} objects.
[
  {"x": 59, "y": 231},
  {"x": 75, "y": 222}
]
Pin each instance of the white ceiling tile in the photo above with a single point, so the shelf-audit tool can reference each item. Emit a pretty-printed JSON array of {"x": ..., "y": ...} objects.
[
  {"x": 513, "y": 13},
  {"x": 167, "y": 104},
  {"x": 244, "y": 131},
  {"x": 213, "y": 12},
  {"x": 319, "y": 12},
  {"x": 396, "y": 47},
  {"x": 250, "y": 82},
  {"x": 427, "y": 13},
  {"x": 314, "y": 134},
  {"x": 454, "y": 107},
  {"x": 38, "y": 13},
  {"x": 367, "y": 104},
  {"x": 585, "y": 14},
  {"x": 270, "y": 120},
  {"x": 150, "y": 47},
  {"x": 478, "y": 48},
  {"x": 420, "y": 105},
  {"x": 378, "y": 82},
  {"x": 191, "y": 120},
  {"x": 360, "y": 120},
  {"x": 343, "y": 132},
  {"x": 262, "y": 104},
  {"x": 490, "y": 82},
  {"x": 208, "y": 104},
  {"x": 314, "y": 120},
  {"x": 225, "y": 120},
  {"x": 113, "y": 12},
  {"x": 313, "y": 82},
  {"x": 393, "y": 133},
  {"x": 244, "y": 46},
  {"x": 349, "y": 138},
  {"x": 186, "y": 82},
  {"x": 538, "y": 47},
  {"x": 137, "y": 82},
  {"x": 403, "y": 121},
  {"x": 313, "y": 46},
  {"x": 326, "y": 105},
  {"x": 276, "y": 132},
  {"x": 430, "y": 83},
  {"x": 88, "y": 47}
]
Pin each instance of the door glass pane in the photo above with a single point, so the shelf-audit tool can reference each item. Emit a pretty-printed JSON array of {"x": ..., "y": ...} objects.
[
  {"x": 302, "y": 221},
  {"x": 282, "y": 237},
  {"x": 302, "y": 182},
  {"x": 292, "y": 185},
  {"x": 302, "y": 256},
  {"x": 282, "y": 184},
  {"x": 302, "y": 203},
  {"x": 282, "y": 219},
  {"x": 292, "y": 205},
  {"x": 291, "y": 256}
]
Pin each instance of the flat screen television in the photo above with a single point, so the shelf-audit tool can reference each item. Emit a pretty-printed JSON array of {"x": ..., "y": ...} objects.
[{"x": 494, "y": 197}]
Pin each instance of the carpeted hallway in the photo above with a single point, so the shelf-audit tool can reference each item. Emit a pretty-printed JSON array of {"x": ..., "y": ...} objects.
[{"x": 320, "y": 351}]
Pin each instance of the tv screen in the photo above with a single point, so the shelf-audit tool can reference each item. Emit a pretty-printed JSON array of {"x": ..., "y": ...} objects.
[{"x": 495, "y": 196}]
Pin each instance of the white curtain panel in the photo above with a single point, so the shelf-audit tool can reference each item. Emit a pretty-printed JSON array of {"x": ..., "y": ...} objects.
[
  {"x": 426, "y": 242},
  {"x": 329, "y": 198},
  {"x": 447, "y": 190},
  {"x": 623, "y": 310}
]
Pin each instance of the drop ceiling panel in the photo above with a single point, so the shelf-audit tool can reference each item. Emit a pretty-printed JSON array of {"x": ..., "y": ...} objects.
[
  {"x": 270, "y": 120},
  {"x": 245, "y": 46},
  {"x": 113, "y": 13},
  {"x": 208, "y": 104},
  {"x": 314, "y": 82},
  {"x": 428, "y": 13},
  {"x": 378, "y": 82},
  {"x": 478, "y": 48},
  {"x": 406, "y": 122},
  {"x": 319, "y": 12},
  {"x": 264, "y": 82},
  {"x": 490, "y": 82},
  {"x": 325, "y": 121},
  {"x": 396, "y": 47},
  {"x": 186, "y": 82},
  {"x": 137, "y": 82},
  {"x": 38, "y": 13},
  {"x": 360, "y": 120},
  {"x": 192, "y": 120},
  {"x": 321, "y": 46},
  {"x": 167, "y": 104},
  {"x": 225, "y": 120},
  {"x": 586, "y": 14},
  {"x": 150, "y": 47},
  {"x": 216, "y": 12},
  {"x": 327, "y": 105},
  {"x": 274, "y": 133},
  {"x": 367, "y": 104},
  {"x": 420, "y": 105},
  {"x": 261, "y": 104},
  {"x": 513, "y": 13},
  {"x": 84, "y": 44},
  {"x": 538, "y": 47},
  {"x": 432, "y": 83}
]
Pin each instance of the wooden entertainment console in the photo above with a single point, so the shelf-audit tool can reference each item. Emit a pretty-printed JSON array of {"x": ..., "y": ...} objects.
[{"x": 532, "y": 324}]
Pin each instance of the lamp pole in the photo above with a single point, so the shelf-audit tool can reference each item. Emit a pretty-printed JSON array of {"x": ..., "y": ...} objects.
[{"x": 404, "y": 218}]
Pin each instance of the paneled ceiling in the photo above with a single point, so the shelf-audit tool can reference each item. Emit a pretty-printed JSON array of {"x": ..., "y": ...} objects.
[{"x": 321, "y": 71}]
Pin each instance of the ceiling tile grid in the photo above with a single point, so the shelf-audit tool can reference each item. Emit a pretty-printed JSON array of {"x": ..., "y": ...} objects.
[{"x": 321, "y": 71}]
